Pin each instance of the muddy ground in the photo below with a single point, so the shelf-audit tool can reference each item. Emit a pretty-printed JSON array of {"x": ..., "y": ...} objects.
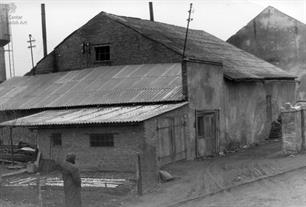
[
  {"x": 203, "y": 177},
  {"x": 53, "y": 196},
  {"x": 287, "y": 190}
]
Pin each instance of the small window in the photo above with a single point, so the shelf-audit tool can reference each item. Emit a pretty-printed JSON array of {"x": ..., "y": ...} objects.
[
  {"x": 56, "y": 139},
  {"x": 101, "y": 140},
  {"x": 102, "y": 53},
  {"x": 200, "y": 126}
]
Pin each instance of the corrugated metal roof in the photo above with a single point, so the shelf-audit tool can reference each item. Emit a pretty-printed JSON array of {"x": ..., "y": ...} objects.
[
  {"x": 105, "y": 115},
  {"x": 238, "y": 64},
  {"x": 96, "y": 86}
]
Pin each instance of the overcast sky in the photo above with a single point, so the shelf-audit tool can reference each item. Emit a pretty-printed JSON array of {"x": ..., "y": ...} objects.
[{"x": 221, "y": 18}]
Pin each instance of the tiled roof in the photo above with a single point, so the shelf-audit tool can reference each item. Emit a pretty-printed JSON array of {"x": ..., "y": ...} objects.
[
  {"x": 151, "y": 83},
  {"x": 237, "y": 63},
  {"x": 106, "y": 115}
]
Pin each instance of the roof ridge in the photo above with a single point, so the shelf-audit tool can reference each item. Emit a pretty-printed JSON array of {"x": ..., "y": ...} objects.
[
  {"x": 174, "y": 49},
  {"x": 132, "y": 28}
]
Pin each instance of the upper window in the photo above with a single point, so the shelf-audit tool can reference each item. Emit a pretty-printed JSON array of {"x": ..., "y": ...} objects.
[
  {"x": 101, "y": 140},
  {"x": 102, "y": 53},
  {"x": 56, "y": 139}
]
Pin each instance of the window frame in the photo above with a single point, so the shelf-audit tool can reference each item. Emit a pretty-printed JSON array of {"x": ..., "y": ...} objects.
[
  {"x": 95, "y": 47},
  {"x": 102, "y": 140}
]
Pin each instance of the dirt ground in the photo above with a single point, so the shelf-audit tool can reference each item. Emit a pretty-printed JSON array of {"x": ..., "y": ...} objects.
[
  {"x": 282, "y": 191},
  {"x": 193, "y": 179},
  {"x": 203, "y": 177}
]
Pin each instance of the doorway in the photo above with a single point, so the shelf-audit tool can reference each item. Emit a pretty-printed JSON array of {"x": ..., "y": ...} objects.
[{"x": 207, "y": 131}]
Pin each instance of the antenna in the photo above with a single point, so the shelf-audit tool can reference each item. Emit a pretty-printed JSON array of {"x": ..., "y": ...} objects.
[
  {"x": 188, "y": 21},
  {"x": 30, "y": 41}
]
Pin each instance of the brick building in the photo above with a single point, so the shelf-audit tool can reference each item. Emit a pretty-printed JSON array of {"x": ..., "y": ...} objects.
[{"x": 117, "y": 86}]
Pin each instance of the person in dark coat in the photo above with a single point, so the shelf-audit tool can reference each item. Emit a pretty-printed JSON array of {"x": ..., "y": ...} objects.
[{"x": 72, "y": 181}]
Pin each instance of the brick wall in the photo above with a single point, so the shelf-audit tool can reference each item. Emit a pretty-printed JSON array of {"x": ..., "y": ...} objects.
[
  {"x": 121, "y": 157},
  {"x": 293, "y": 136},
  {"x": 126, "y": 47}
]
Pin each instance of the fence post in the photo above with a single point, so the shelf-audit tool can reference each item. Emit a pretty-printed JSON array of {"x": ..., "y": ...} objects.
[
  {"x": 302, "y": 129},
  {"x": 138, "y": 175},
  {"x": 12, "y": 146},
  {"x": 40, "y": 202}
]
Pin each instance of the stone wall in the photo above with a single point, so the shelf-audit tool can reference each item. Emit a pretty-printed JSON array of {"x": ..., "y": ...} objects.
[{"x": 293, "y": 130}]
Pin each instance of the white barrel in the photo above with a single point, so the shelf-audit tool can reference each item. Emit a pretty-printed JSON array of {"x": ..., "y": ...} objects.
[{"x": 4, "y": 25}]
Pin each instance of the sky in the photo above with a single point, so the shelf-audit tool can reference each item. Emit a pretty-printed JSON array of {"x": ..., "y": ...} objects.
[{"x": 221, "y": 18}]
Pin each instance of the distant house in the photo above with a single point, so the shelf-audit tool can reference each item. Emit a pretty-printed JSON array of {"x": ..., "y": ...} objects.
[
  {"x": 279, "y": 39},
  {"x": 118, "y": 86}
]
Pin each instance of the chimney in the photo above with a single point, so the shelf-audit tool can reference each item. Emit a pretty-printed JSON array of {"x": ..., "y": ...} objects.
[
  {"x": 43, "y": 25},
  {"x": 151, "y": 11}
]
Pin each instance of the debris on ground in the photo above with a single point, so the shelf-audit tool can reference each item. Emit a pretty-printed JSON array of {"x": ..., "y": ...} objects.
[
  {"x": 165, "y": 176},
  {"x": 292, "y": 155},
  {"x": 221, "y": 154}
]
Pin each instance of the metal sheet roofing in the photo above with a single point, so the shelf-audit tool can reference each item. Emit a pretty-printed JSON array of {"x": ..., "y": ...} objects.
[
  {"x": 238, "y": 64},
  {"x": 106, "y": 115},
  {"x": 96, "y": 86}
]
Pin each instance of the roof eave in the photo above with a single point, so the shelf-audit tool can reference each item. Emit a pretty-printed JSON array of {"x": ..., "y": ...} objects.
[{"x": 257, "y": 79}]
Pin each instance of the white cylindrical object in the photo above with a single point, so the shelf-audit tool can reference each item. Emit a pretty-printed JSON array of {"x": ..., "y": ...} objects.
[{"x": 4, "y": 25}]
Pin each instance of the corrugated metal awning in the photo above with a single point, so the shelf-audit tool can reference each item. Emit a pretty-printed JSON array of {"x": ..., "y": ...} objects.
[{"x": 107, "y": 115}]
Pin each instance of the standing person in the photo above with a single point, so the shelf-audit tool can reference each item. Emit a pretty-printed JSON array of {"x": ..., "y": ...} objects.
[{"x": 72, "y": 181}]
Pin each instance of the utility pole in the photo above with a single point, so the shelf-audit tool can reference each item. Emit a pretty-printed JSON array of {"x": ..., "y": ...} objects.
[
  {"x": 188, "y": 21},
  {"x": 31, "y": 48}
]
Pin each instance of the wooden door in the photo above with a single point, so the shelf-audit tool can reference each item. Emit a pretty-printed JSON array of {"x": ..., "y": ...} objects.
[
  {"x": 171, "y": 140},
  {"x": 207, "y": 133},
  {"x": 166, "y": 140},
  {"x": 56, "y": 150}
]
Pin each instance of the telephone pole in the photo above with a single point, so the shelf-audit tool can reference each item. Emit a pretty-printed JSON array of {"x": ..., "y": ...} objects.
[
  {"x": 188, "y": 21},
  {"x": 30, "y": 41}
]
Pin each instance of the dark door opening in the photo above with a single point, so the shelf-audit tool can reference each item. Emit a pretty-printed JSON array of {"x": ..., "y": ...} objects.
[{"x": 207, "y": 125}]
